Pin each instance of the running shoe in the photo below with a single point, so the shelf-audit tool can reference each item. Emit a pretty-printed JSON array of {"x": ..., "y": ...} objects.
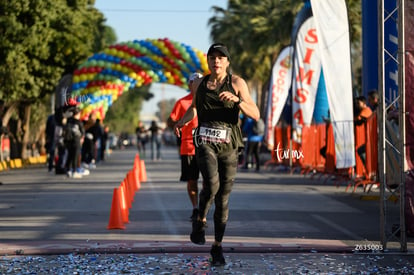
[
  {"x": 198, "y": 234},
  {"x": 217, "y": 258}
]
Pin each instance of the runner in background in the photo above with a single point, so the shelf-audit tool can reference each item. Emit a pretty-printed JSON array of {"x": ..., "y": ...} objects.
[{"x": 189, "y": 168}]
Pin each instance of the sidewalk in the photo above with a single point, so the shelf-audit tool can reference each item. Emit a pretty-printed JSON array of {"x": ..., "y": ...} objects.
[{"x": 51, "y": 224}]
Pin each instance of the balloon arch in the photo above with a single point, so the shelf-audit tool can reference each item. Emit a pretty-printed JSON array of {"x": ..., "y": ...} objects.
[{"x": 103, "y": 77}]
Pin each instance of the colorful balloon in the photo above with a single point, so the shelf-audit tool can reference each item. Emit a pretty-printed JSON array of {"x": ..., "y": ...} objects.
[{"x": 103, "y": 77}]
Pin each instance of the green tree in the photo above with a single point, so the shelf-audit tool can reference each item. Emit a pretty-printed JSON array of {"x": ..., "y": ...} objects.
[
  {"x": 110, "y": 36},
  {"x": 41, "y": 41},
  {"x": 355, "y": 34},
  {"x": 165, "y": 107}
]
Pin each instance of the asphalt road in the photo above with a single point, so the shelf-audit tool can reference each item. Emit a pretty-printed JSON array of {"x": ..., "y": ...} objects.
[{"x": 269, "y": 207}]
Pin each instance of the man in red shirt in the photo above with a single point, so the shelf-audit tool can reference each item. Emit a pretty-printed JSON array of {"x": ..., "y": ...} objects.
[{"x": 189, "y": 167}]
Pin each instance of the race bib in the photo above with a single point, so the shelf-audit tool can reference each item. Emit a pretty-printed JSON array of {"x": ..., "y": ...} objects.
[{"x": 213, "y": 135}]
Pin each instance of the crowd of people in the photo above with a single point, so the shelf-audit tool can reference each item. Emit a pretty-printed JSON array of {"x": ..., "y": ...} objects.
[
  {"x": 154, "y": 135},
  {"x": 74, "y": 146}
]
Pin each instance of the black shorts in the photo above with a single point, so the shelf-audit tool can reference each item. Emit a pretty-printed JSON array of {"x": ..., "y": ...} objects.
[{"x": 189, "y": 168}]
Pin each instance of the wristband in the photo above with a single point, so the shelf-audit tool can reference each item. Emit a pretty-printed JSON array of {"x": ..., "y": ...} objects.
[{"x": 240, "y": 101}]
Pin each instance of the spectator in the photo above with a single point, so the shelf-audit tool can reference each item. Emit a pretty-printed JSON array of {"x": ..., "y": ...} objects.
[
  {"x": 73, "y": 134},
  {"x": 61, "y": 116},
  {"x": 104, "y": 142},
  {"x": 142, "y": 138},
  {"x": 97, "y": 134},
  {"x": 89, "y": 145},
  {"x": 373, "y": 99},
  {"x": 156, "y": 138},
  {"x": 254, "y": 141},
  {"x": 362, "y": 111},
  {"x": 50, "y": 141}
]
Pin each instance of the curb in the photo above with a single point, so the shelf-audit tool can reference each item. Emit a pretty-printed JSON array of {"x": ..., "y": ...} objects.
[{"x": 144, "y": 247}]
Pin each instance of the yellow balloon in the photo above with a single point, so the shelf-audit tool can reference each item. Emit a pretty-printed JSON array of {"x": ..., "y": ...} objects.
[
  {"x": 132, "y": 75},
  {"x": 112, "y": 51},
  {"x": 118, "y": 67},
  {"x": 205, "y": 68},
  {"x": 171, "y": 80},
  {"x": 82, "y": 77}
]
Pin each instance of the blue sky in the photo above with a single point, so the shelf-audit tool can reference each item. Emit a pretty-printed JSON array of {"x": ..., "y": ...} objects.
[{"x": 180, "y": 20}]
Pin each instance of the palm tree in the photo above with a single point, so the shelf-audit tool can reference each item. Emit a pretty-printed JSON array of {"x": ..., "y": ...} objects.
[{"x": 355, "y": 34}]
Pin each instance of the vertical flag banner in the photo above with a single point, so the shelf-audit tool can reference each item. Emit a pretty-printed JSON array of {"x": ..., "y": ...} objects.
[
  {"x": 321, "y": 111},
  {"x": 280, "y": 82},
  {"x": 331, "y": 20},
  {"x": 409, "y": 108},
  {"x": 306, "y": 71},
  {"x": 409, "y": 82}
]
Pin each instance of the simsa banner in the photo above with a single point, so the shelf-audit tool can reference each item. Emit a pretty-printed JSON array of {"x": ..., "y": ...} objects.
[{"x": 331, "y": 22}]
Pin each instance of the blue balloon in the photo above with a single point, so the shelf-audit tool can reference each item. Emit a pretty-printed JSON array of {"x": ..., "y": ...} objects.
[
  {"x": 110, "y": 58},
  {"x": 76, "y": 86},
  {"x": 84, "y": 84}
]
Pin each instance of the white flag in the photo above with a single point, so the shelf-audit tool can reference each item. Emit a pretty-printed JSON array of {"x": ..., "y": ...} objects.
[
  {"x": 331, "y": 20},
  {"x": 280, "y": 82},
  {"x": 307, "y": 68}
]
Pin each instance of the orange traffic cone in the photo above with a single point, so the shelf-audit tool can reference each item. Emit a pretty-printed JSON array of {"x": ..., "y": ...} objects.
[
  {"x": 124, "y": 205},
  {"x": 135, "y": 173},
  {"x": 142, "y": 171},
  {"x": 128, "y": 191},
  {"x": 131, "y": 185},
  {"x": 136, "y": 160},
  {"x": 115, "y": 218}
]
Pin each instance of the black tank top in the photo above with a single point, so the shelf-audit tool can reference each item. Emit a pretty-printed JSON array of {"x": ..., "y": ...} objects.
[{"x": 212, "y": 111}]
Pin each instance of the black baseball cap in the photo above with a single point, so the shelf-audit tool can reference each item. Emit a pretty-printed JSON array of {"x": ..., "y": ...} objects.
[{"x": 219, "y": 47}]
